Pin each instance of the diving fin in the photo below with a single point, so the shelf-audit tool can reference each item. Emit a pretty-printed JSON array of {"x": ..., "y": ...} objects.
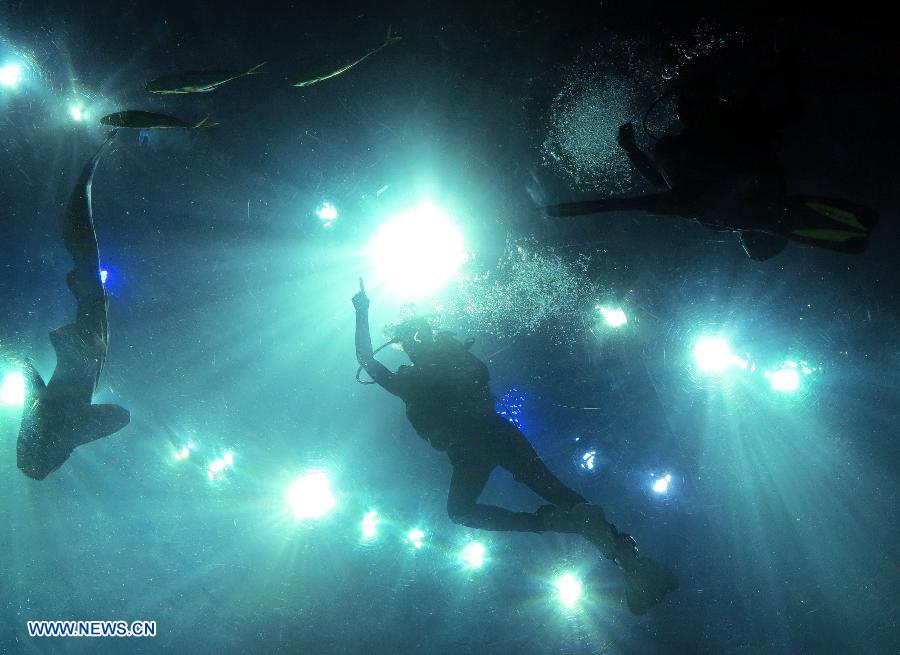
[
  {"x": 830, "y": 223},
  {"x": 646, "y": 581},
  {"x": 760, "y": 246}
]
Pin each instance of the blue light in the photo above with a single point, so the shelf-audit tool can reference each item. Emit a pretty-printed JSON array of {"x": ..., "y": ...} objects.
[
  {"x": 103, "y": 276},
  {"x": 510, "y": 406}
]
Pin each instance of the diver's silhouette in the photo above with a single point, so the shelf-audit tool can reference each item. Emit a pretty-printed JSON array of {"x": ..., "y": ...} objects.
[
  {"x": 58, "y": 416},
  {"x": 449, "y": 404},
  {"x": 723, "y": 172}
]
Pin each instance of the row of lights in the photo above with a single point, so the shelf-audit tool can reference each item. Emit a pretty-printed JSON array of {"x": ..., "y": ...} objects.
[{"x": 309, "y": 497}]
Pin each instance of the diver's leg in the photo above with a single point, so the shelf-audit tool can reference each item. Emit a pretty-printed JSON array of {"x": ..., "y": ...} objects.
[
  {"x": 470, "y": 475},
  {"x": 515, "y": 453},
  {"x": 667, "y": 203}
]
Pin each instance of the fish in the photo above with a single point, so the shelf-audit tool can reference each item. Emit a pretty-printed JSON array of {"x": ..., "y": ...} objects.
[
  {"x": 146, "y": 120},
  {"x": 197, "y": 81},
  {"x": 325, "y": 70}
]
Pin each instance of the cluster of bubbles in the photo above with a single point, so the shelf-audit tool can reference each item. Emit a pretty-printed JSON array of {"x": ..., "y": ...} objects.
[
  {"x": 607, "y": 86},
  {"x": 532, "y": 290}
]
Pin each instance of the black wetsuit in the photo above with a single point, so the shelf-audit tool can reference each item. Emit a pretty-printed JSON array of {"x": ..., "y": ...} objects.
[
  {"x": 450, "y": 405},
  {"x": 59, "y": 416}
]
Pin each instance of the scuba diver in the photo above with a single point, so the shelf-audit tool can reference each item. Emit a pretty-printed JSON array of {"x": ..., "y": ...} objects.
[
  {"x": 722, "y": 171},
  {"x": 58, "y": 416},
  {"x": 450, "y": 405}
]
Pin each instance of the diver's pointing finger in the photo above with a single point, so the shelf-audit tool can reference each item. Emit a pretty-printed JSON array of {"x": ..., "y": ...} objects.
[{"x": 362, "y": 287}]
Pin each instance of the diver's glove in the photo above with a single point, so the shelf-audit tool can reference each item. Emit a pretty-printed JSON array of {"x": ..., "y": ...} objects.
[{"x": 361, "y": 300}]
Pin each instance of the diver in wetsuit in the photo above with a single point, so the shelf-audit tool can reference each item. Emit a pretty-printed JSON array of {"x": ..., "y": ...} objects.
[
  {"x": 722, "y": 171},
  {"x": 450, "y": 405},
  {"x": 58, "y": 416}
]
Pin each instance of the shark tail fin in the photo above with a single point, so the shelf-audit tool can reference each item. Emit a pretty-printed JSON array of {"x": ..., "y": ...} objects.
[{"x": 102, "y": 421}]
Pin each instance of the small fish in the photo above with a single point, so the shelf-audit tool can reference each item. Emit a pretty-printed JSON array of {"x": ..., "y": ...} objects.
[
  {"x": 146, "y": 120},
  {"x": 326, "y": 70},
  {"x": 197, "y": 81}
]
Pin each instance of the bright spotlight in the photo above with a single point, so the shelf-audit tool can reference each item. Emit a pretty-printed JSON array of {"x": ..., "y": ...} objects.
[
  {"x": 613, "y": 316},
  {"x": 10, "y": 75},
  {"x": 370, "y": 525},
  {"x": 661, "y": 484},
  {"x": 418, "y": 251},
  {"x": 415, "y": 537},
  {"x": 104, "y": 275},
  {"x": 184, "y": 453},
  {"x": 473, "y": 555},
  {"x": 12, "y": 389},
  {"x": 713, "y": 354},
  {"x": 785, "y": 380},
  {"x": 309, "y": 496},
  {"x": 327, "y": 213},
  {"x": 569, "y": 588},
  {"x": 77, "y": 113}
]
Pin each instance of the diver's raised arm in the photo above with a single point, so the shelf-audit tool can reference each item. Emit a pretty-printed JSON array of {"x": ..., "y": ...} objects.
[
  {"x": 639, "y": 159},
  {"x": 364, "y": 353}
]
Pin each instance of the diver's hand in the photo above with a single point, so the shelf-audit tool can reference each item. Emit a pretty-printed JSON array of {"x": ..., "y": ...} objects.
[
  {"x": 361, "y": 300},
  {"x": 626, "y": 136}
]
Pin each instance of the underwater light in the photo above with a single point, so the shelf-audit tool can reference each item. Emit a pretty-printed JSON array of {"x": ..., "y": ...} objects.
[
  {"x": 713, "y": 354},
  {"x": 217, "y": 467},
  {"x": 473, "y": 555},
  {"x": 418, "y": 251},
  {"x": 184, "y": 453},
  {"x": 10, "y": 75},
  {"x": 12, "y": 389},
  {"x": 415, "y": 537},
  {"x": 77, "y": 113},
  {"x": 569, "y": 588},
  {"x": 369, "y": 525},
  {"x": 787, "y": 380},
  {"x": 309, "y": 496},
  {"x": 327, "y": 213},
  {"x": 661, "y": 484},
  {"x": 588, "y": 460},
  {"x": 613, "y": 316},
  {"x": 104, "y": 275}
]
